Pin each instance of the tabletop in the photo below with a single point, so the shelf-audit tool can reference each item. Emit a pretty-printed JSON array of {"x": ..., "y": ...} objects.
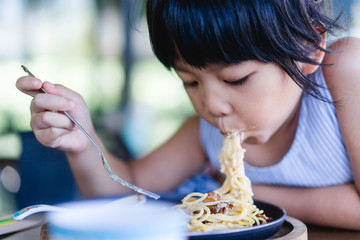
[{"x": 291, "y": 229}]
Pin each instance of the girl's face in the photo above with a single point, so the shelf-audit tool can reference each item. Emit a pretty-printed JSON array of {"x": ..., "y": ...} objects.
[{"x": 253, "y": 96}]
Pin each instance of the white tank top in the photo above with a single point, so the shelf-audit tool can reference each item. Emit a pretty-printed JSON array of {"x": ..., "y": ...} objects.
[{"x": 317, "y": 156}]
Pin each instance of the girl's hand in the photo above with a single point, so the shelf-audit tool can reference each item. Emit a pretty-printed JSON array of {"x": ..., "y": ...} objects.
[{"x": 51, "y": 126}]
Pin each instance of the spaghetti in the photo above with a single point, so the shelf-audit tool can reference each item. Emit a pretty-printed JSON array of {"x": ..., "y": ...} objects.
[{"x": 231, "y": 205}]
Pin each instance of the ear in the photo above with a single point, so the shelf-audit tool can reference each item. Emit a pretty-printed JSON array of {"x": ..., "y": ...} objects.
[{"x": 318, "y": 55}]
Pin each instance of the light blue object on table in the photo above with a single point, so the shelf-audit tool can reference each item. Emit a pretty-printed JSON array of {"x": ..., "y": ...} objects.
[{"x": 94, "y": 219}]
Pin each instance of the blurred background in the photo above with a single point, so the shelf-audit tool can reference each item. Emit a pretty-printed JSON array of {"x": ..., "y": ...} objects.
[{"x": 101, "y": 50}]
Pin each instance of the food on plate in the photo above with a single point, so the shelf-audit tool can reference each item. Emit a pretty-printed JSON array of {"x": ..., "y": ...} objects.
[{"x": 230, "y": 206}]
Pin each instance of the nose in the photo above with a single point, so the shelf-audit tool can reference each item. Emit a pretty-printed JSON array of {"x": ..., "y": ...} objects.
[{"x": 216, "y": 103}]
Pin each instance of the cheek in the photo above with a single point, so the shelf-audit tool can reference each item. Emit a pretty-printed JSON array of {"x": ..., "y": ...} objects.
[
  {"x": 270, "y": 107},
  {"x": 194, "y": 98},
  {"x": 196, "y": 102},
  {"x": 257, "y": 114}
]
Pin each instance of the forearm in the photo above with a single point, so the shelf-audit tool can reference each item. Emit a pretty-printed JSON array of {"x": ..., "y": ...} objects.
[
  {"x": 336, "y": 206},
  {"x": 91, "y": 176}
]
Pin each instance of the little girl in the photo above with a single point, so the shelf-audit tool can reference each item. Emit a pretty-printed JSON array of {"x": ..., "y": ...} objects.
[{"x": 259, "y": 66}]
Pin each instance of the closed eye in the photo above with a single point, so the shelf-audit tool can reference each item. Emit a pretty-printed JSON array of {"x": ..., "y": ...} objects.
[
  {"x": 238, "y": 82},
  {"x": 190, "y": 84}
]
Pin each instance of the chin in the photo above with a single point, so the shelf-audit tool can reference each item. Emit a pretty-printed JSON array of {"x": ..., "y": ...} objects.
[
  {"x": 256, "y": 139},
  {"x": 251, "y": 140}
]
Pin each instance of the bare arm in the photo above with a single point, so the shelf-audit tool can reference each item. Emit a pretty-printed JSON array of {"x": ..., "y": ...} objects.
[
  {"x": 336, "y": 206},
  {"x": 160, "y": 171},
  {"x": 343, "y": 79}
]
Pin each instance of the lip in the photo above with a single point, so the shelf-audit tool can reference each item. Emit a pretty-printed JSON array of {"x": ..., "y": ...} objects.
[
  {"x": 246, "y": 133},
  {"x": 225, "y": 127}
]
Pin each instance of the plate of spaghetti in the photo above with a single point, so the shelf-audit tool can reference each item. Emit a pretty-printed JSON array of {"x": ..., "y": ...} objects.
[
  {"x": 230, "y": 211},
  {"x": 263, "y": 231}
]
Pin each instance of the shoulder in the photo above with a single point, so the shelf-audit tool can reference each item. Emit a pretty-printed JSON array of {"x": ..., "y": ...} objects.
[
  {"x": 344, "y": 49},
  {"x": 341, "y": 70}
]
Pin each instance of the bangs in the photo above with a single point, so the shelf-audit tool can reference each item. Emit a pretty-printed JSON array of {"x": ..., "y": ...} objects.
[
  {"x": 222, "y": 31},
  {"x": 201, "y": 34}
]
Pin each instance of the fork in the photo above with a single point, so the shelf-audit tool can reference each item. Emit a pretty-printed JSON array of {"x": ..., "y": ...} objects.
[{"x": 106, "y": 165}]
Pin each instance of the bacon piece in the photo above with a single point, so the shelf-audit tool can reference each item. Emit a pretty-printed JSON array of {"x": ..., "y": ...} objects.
[
  {"x": 222, "y": 207},
  {"x": 212, "y": 197}
]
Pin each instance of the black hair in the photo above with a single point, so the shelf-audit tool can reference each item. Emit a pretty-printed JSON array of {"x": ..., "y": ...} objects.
[{"x": 203, "y": 32}]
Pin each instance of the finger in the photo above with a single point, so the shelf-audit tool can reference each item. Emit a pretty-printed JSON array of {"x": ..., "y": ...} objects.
[
  {"x": 50, "y": 102},
  {"x": 48, "y": 119},
  {"x": 50, "y": 136},
  {"x": 29, "y": 85},
  {"x": 60, "y": 90}
]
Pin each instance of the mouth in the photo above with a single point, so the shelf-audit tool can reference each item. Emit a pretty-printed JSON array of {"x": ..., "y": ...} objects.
[{"x": 245, "y": 132}]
